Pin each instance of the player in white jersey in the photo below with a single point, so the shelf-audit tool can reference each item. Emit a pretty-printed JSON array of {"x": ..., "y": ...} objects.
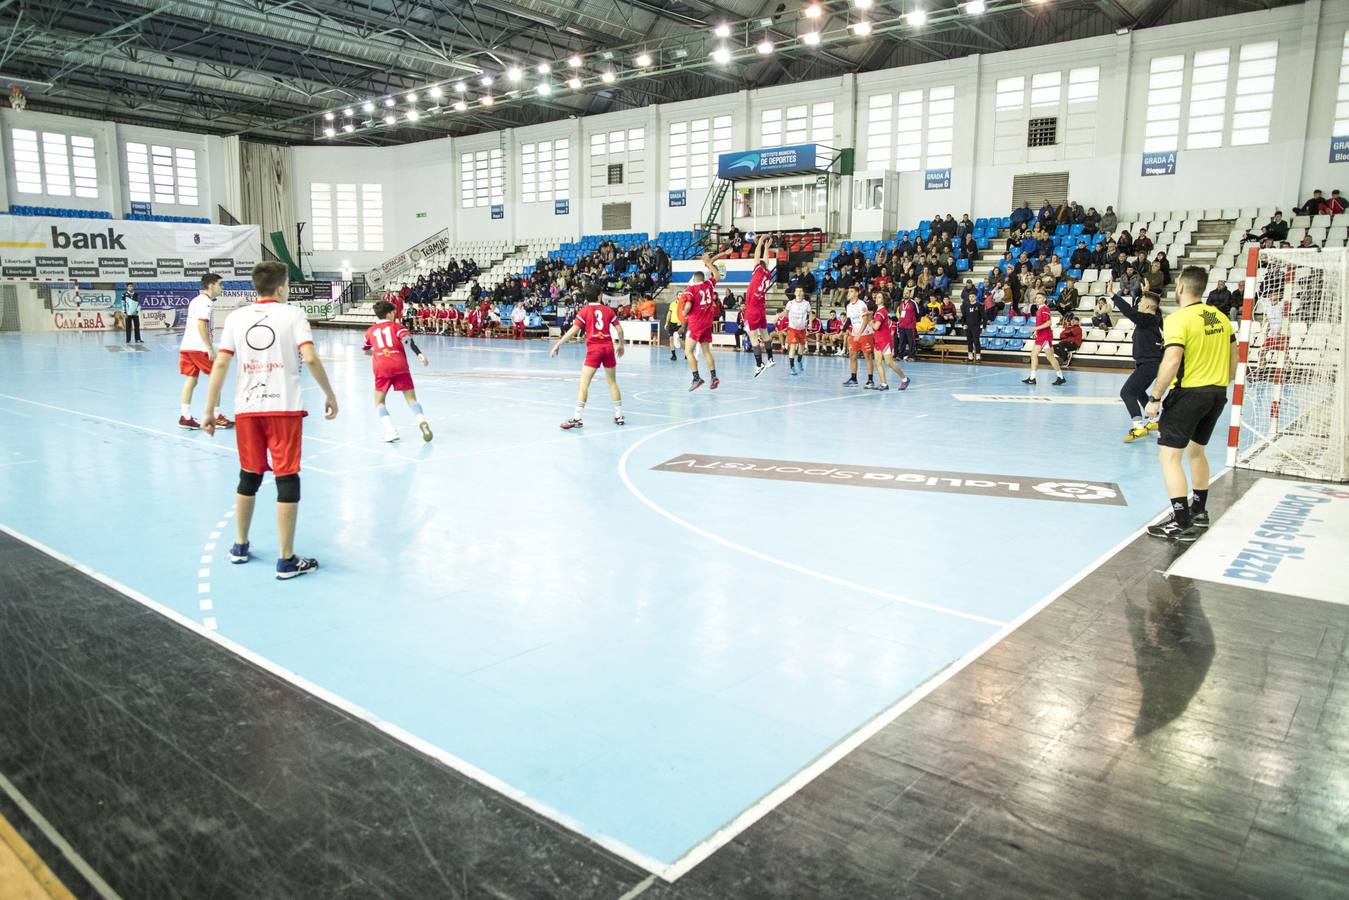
[
  {"x": 195, "y": 353},
  {"x": 269, "y": 340},
  {"x": 799, "y": 315},
  {"x": 861, "y": 341}
]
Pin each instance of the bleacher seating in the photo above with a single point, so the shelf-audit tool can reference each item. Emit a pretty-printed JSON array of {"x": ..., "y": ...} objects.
[{"x": 59, "y": 213}]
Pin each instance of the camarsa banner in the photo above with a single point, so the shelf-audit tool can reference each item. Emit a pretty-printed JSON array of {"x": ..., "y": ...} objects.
[{"x": 45, "y": 249}]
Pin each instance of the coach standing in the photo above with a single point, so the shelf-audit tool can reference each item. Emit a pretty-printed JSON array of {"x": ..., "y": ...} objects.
[
  {"x": 130, "y": 307},
  {"x": 1199, "y": 358}
]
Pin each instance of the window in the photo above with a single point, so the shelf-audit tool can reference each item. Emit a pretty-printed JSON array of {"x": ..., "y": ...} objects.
[
  {"x": 482, "y": 178},
  {"x": 636, "y": 138},
  {"x": 1045, "y": 88},
  {"x": 1166, "y": 76},
  {"x": 1254, "y": 101},
  {"x": 321, "y": 215},
  {"x": 545, "y": 171},
  {"x": 679, "y": 155},
  {"x": 879, "y": 110},
  {"x": 909, "y": 131},
  {"x": 797, "y": 128},
  {"x": 161, "y": 174},
  {"x": 1342, "y": 96},
  {"x": 797, "y": 125},
  {"x": 1208, "y": 99},
  {"x": 56, "y": 164},
  {"x": 822, "y": 122},
  {"x": 693, "y": 150},
  {"x": 372, "y": 217},
  {"x": 623, "y": 150},
  {"x": 771, "y": 131},
  {"x": 941, "y": 121},
  {"x": 1084, "y": 84},
  {"x": 344, "y": 217},
  {"x": 1011, "y": 93}
]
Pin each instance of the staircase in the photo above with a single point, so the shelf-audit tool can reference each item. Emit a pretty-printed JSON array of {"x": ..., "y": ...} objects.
[
  {"x": 711, "y": 209},
  {"x": 1203, "y": 250}
]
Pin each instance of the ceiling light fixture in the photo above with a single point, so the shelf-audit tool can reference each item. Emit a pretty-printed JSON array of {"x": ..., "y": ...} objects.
[
  {"x": 329, "y": 132},
  {"x": 349, "y": 127},
  {"x": 544, "y": 89},
  {"x": 722, "y": 31},
  {"x": 765, "y": 47},
  {"x": 514, "y": 73},
  {"x": 575, "y": 61},
  {"x": 412, "y": 98},
  {"x": 607, "y": 76},
  {"x": 916, "y": 17},
  {"x": 544, "y": 69},
  {"x": 486, "y": 100},
  {"x": 413, "y": 115},
  {"x": 862, "y": 28},
  {"x": 460, "y": 87},
  {"x": 721, "y": 55},
  {"x": 643, "y": 59},
  {"x": 862, "y": 4},
  {"x": 389, "y": 118},
  {"x": 460, "y": 105},
  {"x": 485, "y": 81},
  {"x": 574, "y": 83},
  {"x": 368, "y": 106},
  {"x": 328, "y": 116},
  {"x": 811, "y": 12},
  {"x": 811, "y": 39},
  {"x": 389, "y": 102},
  {"x": 436, "y": 93},
  {"x": 976, "y": 7}
]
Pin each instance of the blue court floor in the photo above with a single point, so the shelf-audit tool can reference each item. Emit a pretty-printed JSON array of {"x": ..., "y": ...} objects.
[{"x": 644, "y": 654}]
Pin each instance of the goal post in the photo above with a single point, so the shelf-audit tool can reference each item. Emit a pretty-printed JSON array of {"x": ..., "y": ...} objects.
[{"x": 1290, "y": 403}]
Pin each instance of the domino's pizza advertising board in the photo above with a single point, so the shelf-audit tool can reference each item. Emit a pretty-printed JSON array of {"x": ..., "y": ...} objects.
[
  {"x": 1285, "y": 537},
  {"x": 771, "y": 161},
  {"x": 50, "y": 249}
]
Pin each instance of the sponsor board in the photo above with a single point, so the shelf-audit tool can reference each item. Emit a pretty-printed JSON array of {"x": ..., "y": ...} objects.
[
  {"x": 1093, "y": 493},
  {"x": 72, "y": 320},
  {"x": 769, "y": 161},
  {"x": 1288, "y": 537},
  {"x": 1036, "y": 398},
  {"x": 396, "y": 267},
  {"x": 735, "y": 271},
  {"x": 53, "y": 249},
  {"x": 158, "y": 318},
  {"x": 86, "y": 301}
]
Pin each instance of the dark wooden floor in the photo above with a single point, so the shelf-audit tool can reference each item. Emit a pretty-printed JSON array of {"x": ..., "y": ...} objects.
[{"x": 1140, "y": 737}]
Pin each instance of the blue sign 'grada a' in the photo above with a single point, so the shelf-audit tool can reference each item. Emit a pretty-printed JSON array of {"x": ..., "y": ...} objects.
[{"x": 771, "y": 161}]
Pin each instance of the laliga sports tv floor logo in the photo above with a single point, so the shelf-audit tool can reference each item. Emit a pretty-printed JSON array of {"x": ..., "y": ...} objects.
[{"x": 1093, "y": 493}]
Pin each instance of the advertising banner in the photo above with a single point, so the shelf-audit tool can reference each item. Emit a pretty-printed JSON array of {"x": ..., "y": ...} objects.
[
  {"x": 51, "y": 249},
  {"x": 394, "y": 269},
  {"x": 772, "y": 161}
]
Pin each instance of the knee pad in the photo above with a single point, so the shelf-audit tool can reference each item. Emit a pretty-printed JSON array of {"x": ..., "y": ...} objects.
[
  {"x": 288, "y": 489},
  {"x": 248, "y": 483}
]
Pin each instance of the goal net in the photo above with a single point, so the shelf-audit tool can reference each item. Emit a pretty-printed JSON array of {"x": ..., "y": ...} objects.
[{"x": 1291, "y": 396}]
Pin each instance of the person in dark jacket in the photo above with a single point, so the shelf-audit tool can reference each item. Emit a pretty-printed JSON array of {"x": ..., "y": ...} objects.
[
  {"x": 1147, "y": 351},
  {"x": 1220, "y": 298},
  {"x": 972, "y": 314}
]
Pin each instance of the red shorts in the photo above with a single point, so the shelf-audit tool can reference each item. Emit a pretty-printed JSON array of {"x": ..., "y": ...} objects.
[
  {"x": 699, "y": 332},
  {"x": 756, "y": 323},
  {"x": 190, "y": 362},
  {"x": 885, "y": 342},
  {"x": 600, "y": 356},
  {"x": 259, "y": 435},
  {"x": 1046, "y": 341},
  {"x": 864, "y": 344},
  {"x": 394, "y": 381},
  {"x": 796, "y": 336}
]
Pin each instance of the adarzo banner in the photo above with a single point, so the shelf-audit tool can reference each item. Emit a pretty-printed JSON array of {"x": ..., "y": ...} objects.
[
  {"x": 1103, "y": 493},
  {"x": 52, "y": 249}
]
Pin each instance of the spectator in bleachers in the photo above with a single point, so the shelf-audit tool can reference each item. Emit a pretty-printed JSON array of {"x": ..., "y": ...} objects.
[
  {"x": 1124, "y": 243},
  {"x": 1335, "y": 205},
  {"x": 1155, "y": 279},
  {"x": 965, "y": 227},
  {"x": 1073, "y": 214},
  {"x": 1070, "y": 338},
  {"x": 1091, "y": 221},
  {"x": 1081, "y": 258},
  {"x": 1315, "y": 205},
  {"x": 1047, "y": 216},
  {"x": 1021, "y": 218},
  {"x": 1068, "y": 297},
  {"x": 1220, "y": 298},
  {"x": 1307, "y": 243},
  {"x": 1131, "y": 283},
  {"x": 1109, "y": 221},
  {"x": 948, "y": 315},
  {"x": 1054, "y": 269},
  {"x": 1162, "y": 260},
  {"x": 807, "y": 282},
  {"x": 949, "y": 227},
  {"x": 1101, "y": 319},
  {"x": 1276, "y": 229},
  {"x": 1142, "y": 243},
  {"x": 829, "y": 285}
]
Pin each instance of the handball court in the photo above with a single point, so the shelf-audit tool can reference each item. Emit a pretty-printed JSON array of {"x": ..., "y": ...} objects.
[{"x": 784, "y": 639}]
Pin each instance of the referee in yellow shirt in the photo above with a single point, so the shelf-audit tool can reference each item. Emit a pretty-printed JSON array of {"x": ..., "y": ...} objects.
[
  {"x": 1199, "y": 359},
  {"x": 673, "y": 323}
]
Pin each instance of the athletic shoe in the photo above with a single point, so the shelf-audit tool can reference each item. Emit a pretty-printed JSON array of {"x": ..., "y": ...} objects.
[
  {"x": 673, "y": 358},
  {"x": 903, "y": 384},
  {"x": 392, "y": 438},
  {"x": 770, "y": 364},
  {"x": 978, "y": 358},
  {"x": 869, "y": 386},
  {"x": 1153, "y": 426},
  {"x": 759, "y": 370},
  {"x": 188, "y": 422},
  {"x": 1171, "y": 530},
  {"x": 970, "y": 357},
  {"x": 294, "y": 567},
  {"x": 426, "y": 430},
  {"x": 1200, "y": 519},
  {"x": 802, "y": 367},
  {"x": 618, "y": 420},
  {"x": 1134, "y": 434},
  {"x": 851, "y": 382},
  {"x": 1058, "y": 381},
  {"x": 883, "y": 387},
  {"x": 716, "y": 383},
  {"x": 1028, "y": 380},
  {"x": 570, "y": 424},
  {"x": 239, "y": 554},
  {"x": 222, "y": 422}
]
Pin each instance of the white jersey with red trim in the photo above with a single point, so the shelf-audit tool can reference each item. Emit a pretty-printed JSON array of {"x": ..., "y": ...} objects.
[
  {"x": 265, "y": 339},
  {"x": 198, "y": 310}
]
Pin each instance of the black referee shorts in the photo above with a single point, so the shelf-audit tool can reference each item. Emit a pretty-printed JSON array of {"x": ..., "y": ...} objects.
[{"x": 1190, "y": 414}]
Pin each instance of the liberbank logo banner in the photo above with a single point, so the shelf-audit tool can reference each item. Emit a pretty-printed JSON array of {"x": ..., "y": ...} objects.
[
  {"x": 50, "y": 249},
  {"x": 773, "y": 161},
  {"x": 1094, "y": 493}
]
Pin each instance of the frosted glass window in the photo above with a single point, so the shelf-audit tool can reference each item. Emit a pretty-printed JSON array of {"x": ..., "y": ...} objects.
[
  {"x": 941, "y": 119},
  {"x": 1166, "y": 78},
  {"x": 1084, "y": 84},
  {"x": 909, "y": 131},
  {"x": 1208, "y": 99},
  {"x": 880, "y": 130},
  {"x": 1254, "y": 93}
]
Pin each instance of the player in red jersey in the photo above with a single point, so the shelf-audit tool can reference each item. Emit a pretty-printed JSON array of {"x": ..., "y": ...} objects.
[
  {"x": 603, "y": 345},
  {"x": 883, "y": 328},
  {"x": 699, "y": 306},
  {"x": 756, "y": 312},
  {"x": 384, "y": 342}
]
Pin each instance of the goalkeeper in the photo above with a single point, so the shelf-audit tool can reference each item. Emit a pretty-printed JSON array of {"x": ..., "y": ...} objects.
[{"x": 1147, "y": 357}]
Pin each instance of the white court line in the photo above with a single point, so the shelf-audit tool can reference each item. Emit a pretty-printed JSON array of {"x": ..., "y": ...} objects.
[
  {"x": 553, "y": 403},
  {"x": 463, "y": 767},
  {"x": 168, "y": 434},
  {"x": 95, "y": 881},
  {"x": 825, "y": 761}
]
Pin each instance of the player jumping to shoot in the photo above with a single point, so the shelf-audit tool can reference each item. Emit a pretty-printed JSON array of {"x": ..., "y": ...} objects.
[
  {"x": 603, "y": 347},
  {"x": 384, "y": 342},
  {"x": 756, "y": 301},
  {"x": 699, "y": 307}
]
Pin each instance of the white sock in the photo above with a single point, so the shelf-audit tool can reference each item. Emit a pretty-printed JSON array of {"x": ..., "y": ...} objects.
[
  {"x": 185, "y": 411},
  {"x": 618, "y": 410},
  {"x": 580, "y": 408}
]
